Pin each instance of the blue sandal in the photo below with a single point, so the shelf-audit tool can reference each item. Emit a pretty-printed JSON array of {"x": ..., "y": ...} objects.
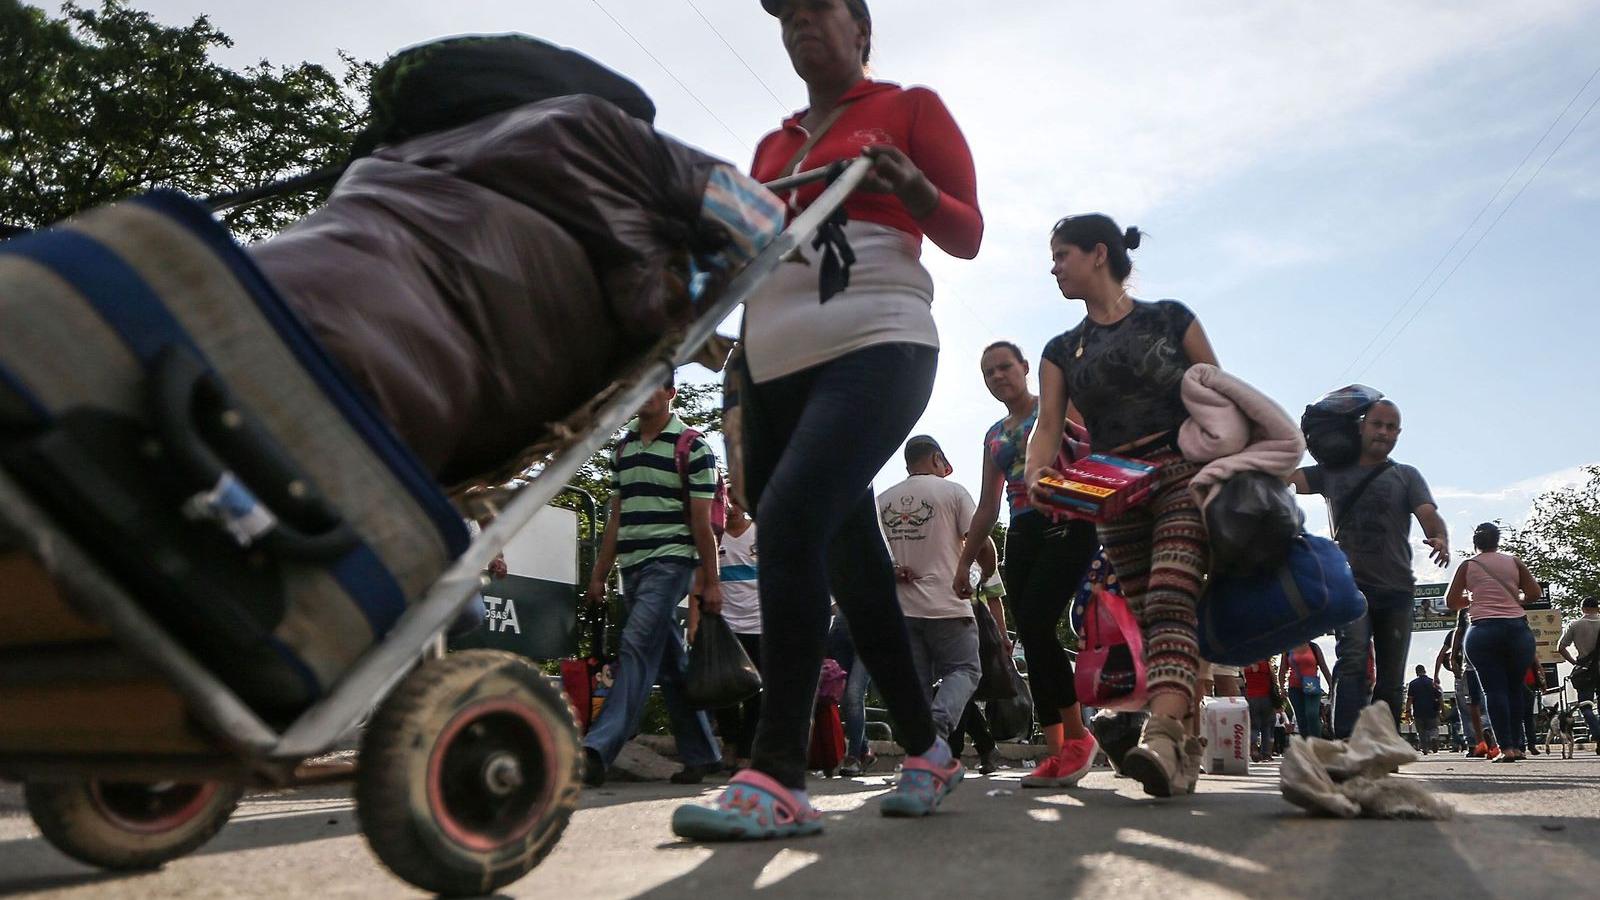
[
  {"x": 921, "y": 788},
  {"x": 752, "y": 807}
]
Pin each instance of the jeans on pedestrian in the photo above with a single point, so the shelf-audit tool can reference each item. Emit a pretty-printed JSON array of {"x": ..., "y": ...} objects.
[
  {"x": 1469, "y": 697},
  {"x": 1502, "y": 650},
  {"x": 1045, "y": 563},
  {"x": 814, "y": 440},
  {"x": 1589, "y": 716},
  {"x": 853, "y": 705},
  {"x": 1261, "y": 724},
  {"x": 652, "y": 651},
  {"x": 853, "y": 709},
  {"x": 1530, "y": 705},
  {"x": 1386, "y": 630},
  {"x": 1307, "y": 712},
  {"x": 946, "y": 651}
]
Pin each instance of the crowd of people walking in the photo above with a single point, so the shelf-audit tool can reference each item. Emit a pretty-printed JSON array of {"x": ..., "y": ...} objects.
[{"x": 834, "y": 388}]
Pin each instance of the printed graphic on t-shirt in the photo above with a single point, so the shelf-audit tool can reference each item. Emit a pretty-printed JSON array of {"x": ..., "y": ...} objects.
[{"x": 905, "y": 517}]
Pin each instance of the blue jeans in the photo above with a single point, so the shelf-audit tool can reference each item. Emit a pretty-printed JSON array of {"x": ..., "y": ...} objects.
[
  {"x": 1387, "y": 629},
  {"x": 853, "y": 705},
  {"x": 1590, "y": 717},
  {"x": 652, "y": 650},
  {"x": 854, "y": 710},
  {"x": 1261, "y": 725},
  {"x": 814, "y": 441},
  {"x": 1307, "y": 712},
  {"x": 1469, "y": 696},
  {"x": 1502, "y": 650}
]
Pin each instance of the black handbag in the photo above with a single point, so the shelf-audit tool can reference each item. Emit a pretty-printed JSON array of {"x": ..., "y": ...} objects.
[
  {"x": 995, "y": 684},
  {"x": 720, "y": 672},
  {"x": 1012, "y": 719}
]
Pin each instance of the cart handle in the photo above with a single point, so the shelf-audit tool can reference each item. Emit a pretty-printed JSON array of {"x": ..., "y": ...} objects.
[{"x": 799, "y": 179}]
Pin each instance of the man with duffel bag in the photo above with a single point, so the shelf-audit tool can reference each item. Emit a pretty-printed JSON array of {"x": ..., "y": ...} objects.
[{"x": 1371, "y": 503}]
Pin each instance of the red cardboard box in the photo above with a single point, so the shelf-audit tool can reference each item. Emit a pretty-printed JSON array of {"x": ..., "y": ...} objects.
[{"x": 1101, "y": 487}]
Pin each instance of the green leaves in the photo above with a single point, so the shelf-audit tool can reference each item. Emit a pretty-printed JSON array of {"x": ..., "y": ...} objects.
[
  {"x": 1560, "y": 542},
  {"x": 106, "y": 103}
]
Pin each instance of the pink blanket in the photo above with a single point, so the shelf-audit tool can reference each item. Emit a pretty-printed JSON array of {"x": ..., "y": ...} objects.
[{"x": 1235, "y": 428}]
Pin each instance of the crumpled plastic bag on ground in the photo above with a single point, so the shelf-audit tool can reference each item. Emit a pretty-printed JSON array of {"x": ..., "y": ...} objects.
[{"x": 1352, "y": 778}]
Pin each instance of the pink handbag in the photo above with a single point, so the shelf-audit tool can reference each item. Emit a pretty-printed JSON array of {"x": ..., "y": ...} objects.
[{"x": 1110, "y": 669}]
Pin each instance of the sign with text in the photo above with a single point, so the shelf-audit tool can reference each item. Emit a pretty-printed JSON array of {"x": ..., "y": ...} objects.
[
  {"x": 1546, "y": 625},
  {"x": 533, "y": 610},
  {"x": 1431, "y": 614}
]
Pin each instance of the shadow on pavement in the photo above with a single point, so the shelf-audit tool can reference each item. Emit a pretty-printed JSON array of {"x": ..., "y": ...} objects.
[
  {"x": 1245, "y": 842},
  {"x": 13, "y": 886}
]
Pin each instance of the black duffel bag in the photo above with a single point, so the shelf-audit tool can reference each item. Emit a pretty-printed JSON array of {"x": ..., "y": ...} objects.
[{"x": 444, "y": 83}]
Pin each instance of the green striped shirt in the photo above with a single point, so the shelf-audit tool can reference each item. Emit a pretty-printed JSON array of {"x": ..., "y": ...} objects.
[{"x": 655, "y": 524}]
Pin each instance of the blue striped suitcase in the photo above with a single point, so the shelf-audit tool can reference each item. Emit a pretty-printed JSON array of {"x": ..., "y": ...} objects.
[{"x": 167, "y": 408}]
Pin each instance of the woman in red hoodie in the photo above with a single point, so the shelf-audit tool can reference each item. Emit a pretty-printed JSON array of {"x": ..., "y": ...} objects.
[{"x": 838, "y": 378}]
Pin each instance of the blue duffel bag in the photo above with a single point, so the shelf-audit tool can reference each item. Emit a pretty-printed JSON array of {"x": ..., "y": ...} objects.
[{"x": 1253, "y": 617}]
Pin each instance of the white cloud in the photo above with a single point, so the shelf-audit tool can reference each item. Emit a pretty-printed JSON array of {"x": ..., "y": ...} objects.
[{"x": 1519, "y": 492}]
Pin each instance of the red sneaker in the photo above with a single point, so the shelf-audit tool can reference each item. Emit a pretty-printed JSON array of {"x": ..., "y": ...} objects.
[
  {"x": 1067, "y": 768},
  {"x": 1076, "y": 759},
  {"x": 1491, "y": 753},
  {"x": 1047, "y": 774}
]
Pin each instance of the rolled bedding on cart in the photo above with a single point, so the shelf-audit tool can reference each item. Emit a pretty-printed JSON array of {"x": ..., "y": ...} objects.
[
  {"x": 250, "y": 441},
  {"x": 482, "y": 282}
]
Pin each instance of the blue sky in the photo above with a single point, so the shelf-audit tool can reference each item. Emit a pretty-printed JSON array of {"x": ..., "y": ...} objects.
[{"x": 1298, "y": 167}]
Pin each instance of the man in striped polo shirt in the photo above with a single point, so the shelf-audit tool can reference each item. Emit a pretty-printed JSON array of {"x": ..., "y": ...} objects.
[{"x": 659, "y": 545}]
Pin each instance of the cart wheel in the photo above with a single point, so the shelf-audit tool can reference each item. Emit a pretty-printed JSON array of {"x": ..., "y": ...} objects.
[
  {"x": 129, "y": 825},
  {"x": 469, "y": 772}
]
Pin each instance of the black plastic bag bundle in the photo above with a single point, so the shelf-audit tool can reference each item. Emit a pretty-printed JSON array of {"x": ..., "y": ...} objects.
[
  {"x": 1011, "y": 719},
  {"x": 996, "y": 682},
  {"x": 1332, "y": 425},
  {"x": 1251, "y": 522},
  {"x": 720, "y": 672},
  {"x": 440, "y": 84}
]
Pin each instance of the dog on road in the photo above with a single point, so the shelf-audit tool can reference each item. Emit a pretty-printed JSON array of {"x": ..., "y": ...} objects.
[{"x": 1559, "y": 731}]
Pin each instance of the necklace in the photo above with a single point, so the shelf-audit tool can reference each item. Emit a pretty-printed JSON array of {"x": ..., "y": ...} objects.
[{"x": 1087, "y": 322}]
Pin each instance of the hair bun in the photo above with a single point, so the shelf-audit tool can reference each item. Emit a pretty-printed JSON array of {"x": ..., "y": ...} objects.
[{"x": 1132, "y": 237}]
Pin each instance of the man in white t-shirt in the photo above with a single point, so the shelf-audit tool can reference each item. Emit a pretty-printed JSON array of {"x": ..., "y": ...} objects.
[
  {"x": 925, "y": 521},
  {"x": 741, "y": 609}
]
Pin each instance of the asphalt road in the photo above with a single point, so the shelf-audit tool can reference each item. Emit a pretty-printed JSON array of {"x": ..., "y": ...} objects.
[{"x": 1528, "y": 830}]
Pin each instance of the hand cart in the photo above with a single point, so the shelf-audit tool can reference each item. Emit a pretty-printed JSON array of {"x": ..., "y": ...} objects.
[{"x": 469, "y": 766}]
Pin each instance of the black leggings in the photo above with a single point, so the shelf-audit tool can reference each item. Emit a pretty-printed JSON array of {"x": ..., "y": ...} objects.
[
  {"x": 813, "y": 443},
  {"x": 1045, "y": 563}
]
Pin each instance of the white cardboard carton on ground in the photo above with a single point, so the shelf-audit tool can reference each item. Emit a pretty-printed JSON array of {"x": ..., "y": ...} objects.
[{"x": 1225, "y": 728}]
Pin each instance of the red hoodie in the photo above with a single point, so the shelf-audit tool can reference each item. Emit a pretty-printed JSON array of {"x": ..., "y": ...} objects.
[{"x": 916, "y": 121}]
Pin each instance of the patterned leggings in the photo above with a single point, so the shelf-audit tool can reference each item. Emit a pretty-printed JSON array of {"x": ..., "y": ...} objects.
[{"x": 1160, "y": 554}]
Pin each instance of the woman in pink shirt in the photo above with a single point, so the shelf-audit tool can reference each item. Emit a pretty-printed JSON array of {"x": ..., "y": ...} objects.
[{"x": 1495, "y": 587}]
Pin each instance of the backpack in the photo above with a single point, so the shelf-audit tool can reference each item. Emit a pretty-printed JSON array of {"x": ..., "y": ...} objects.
[
  {"x": 719, "y": 499},
  {"x": 680, "y": 456},
  {"x": 1332, "y": 424}
]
